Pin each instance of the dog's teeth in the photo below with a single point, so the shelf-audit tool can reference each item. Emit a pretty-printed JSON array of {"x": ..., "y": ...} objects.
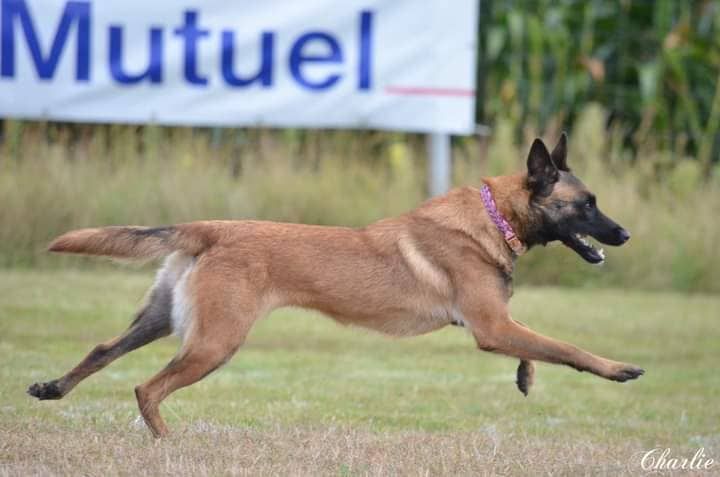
[{"x": 601, "y": 252}]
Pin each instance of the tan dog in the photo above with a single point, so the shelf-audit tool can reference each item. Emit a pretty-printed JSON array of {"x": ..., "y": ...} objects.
[{"x": 447, "y": 262}]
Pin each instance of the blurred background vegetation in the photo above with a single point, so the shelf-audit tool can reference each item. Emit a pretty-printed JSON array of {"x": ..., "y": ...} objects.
[
  {"x": 653, "y": 65},
  {"x": 635, "y": 83}
]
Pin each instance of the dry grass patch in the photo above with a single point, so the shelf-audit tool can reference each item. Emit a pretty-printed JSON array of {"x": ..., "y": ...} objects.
[{"x": 205, "y": 449}]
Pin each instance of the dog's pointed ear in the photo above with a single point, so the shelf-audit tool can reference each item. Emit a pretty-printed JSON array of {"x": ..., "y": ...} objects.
[
  {"x": 542, "y": 172},
  {"x": 559, "y": 154}
]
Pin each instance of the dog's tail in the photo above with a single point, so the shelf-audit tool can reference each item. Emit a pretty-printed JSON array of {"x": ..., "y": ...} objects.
[{"x": 133, "y": 242}]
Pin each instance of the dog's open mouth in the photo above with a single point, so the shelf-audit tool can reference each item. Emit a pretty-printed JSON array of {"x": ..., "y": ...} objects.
[{"x": 585, "y": 249}]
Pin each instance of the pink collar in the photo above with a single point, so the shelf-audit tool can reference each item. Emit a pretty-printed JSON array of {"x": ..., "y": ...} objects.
[{"x": 500, "y": 222}]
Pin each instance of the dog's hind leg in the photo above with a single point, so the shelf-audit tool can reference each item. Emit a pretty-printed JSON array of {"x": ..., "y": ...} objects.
[
  {"x": 200, "y": 357},
  {"x": 223, "y": 313},
  {"x": 151, "y": 323}
]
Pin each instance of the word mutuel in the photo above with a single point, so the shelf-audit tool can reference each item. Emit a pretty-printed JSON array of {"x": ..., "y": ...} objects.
[{"x": 320, "y": 51}]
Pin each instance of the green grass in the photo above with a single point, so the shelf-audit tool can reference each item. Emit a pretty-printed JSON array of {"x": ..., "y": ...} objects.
[{"x": 300, "y": 377}]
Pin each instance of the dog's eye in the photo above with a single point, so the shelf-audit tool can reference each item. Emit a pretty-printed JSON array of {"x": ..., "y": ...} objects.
[{"x": 590, "y": 203}]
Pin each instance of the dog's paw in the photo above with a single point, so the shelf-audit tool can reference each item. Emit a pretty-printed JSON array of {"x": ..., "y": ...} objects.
[
  {"x": 525, "y": 376},
  {"x": 625, "y": 372},
  {"x": 43, "y": 391}
]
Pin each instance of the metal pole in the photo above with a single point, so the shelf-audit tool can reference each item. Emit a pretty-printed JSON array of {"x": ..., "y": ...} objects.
[{"x": 438, "y": 145}]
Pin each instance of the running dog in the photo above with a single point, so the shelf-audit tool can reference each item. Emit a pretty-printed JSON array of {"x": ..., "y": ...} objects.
[{"x": 448, "y": 262}]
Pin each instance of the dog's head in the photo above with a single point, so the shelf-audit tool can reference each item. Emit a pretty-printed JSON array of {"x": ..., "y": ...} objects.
[{"x": 564, "y": 208}]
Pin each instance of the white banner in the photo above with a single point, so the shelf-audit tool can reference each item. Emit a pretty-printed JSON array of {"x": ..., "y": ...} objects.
[{"x": 394, "y": 64}]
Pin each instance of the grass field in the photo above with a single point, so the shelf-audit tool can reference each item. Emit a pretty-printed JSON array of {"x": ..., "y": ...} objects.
[{"x": 306, "y": 396}]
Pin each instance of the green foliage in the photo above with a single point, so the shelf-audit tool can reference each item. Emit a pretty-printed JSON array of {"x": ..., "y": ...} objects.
[
  {"x": 654, "y": 65},
  {"x": 346, "y": 179}
]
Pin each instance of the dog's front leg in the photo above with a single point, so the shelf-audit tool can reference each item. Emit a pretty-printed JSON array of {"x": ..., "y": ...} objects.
[
  {"x": 494, "y": 330},
  {"x": 525, "y": 372}
]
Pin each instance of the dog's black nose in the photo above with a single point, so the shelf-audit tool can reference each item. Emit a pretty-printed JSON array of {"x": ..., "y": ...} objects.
[{"x": 623, "y": 234}]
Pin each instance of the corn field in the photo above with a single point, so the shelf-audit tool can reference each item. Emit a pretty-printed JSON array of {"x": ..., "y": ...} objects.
[{"x": 653, "y": 65}]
